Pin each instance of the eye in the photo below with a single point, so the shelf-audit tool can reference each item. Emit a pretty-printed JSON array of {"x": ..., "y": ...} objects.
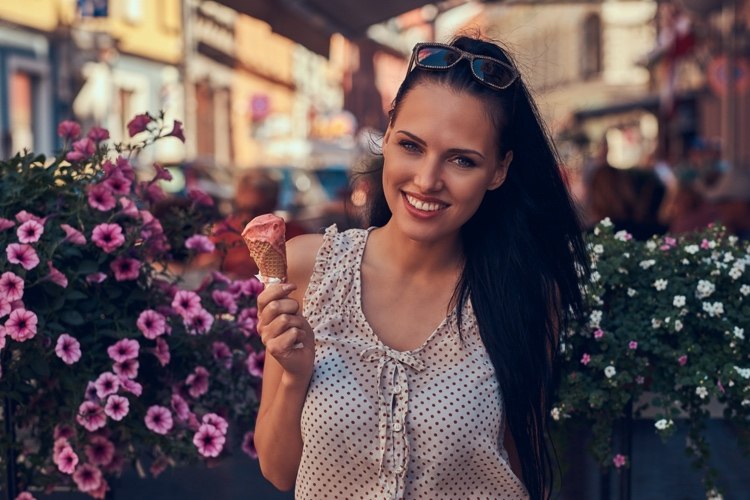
[
  {"x": 409, "y": 146},
  {"x": 464, "y": 161}
]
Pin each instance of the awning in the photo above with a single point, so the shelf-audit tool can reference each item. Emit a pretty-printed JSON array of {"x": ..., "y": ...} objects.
[{"x": 312, "y": 22}]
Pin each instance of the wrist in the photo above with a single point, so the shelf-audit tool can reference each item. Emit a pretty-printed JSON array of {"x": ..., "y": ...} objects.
[{"x": 294, "y": 383}]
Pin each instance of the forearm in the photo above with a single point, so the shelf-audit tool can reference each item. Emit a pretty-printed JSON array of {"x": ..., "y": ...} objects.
[{"x": 278, "y": 436}]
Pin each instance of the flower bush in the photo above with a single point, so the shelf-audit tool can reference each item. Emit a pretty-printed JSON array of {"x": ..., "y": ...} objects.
[
  {"x": 666, "y": 332},
  {"x": 104, "y": 359}
]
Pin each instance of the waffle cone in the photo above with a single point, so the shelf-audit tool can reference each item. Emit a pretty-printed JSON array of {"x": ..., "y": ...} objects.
[{"x": 270, "y": 262}]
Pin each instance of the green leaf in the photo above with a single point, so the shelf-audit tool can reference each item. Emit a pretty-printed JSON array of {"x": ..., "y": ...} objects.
[
  {"x": 74, "y": 295},
  {"x": 73, "y": 318},
  {"x": 88, "y": 267}
]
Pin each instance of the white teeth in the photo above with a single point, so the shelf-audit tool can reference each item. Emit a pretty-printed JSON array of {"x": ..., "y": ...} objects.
[{"x": 423, "y": 205}]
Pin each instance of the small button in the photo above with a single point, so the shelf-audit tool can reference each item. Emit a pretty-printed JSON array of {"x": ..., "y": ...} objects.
[
  {"x": 399, "y": 469},
  {"x": 397, "y": 426},
  {"x": 397, "y": 389}
]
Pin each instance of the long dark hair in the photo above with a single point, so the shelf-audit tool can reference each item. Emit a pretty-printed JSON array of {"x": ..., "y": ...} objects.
[{"x": 524, "y": 257}]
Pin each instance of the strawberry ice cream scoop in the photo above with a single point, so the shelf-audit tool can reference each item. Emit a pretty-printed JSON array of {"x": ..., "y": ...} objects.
[{"x": 265, "y": 237}]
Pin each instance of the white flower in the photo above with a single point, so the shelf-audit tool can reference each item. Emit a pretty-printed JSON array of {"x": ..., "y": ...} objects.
[
  {"x": 728, "y": 257},
  {"x": 660, "y": 284},
  {"x": 606, "y": 222},
  {"x": 597, "y": 231},
  {"x": 623, "y": 235},
  {"x": 645, "y": 264},
  {"x": 744, "y": 372},
  {"x": 595, "y": 318},
  {"x": 692, "y": 249},
  {"x": 595, "y": 276},
  {"x": 745, "y": 290},
  {"x": 735, "y": 273},
  {"x": 610, "y": 371},
  {"x": 704, "y": 289},
  {"x": 713, "y": 309},
  {"x": 739, "y": 332},
  {"x": 679, "y": 300},
  {"x": 677, "y": 325},
  {"x": 598, "y": 249},
  {"x": 555, "y": 412},
  {"x": 685, "y": 262},
  {"x": 655, "y": 323},
  {"x": 701, "y": 391},
  {"x": 714, "y": 495},
  {"x": 663, "y": 424},
  {"x": 631, "y": 292},
  {"x": 651, "y": 245}
]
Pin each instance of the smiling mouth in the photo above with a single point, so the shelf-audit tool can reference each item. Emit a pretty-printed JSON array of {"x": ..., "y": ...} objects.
[{"x": 425, "y": 206}]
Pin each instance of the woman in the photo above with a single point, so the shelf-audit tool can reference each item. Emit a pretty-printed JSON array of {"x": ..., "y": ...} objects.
[{"x": 429, "y": 342}]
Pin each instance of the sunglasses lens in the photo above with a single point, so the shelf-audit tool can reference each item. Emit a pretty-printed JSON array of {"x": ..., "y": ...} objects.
[
  {"x": 439, "y": 57},
  {"x": 492, "y": 72}
]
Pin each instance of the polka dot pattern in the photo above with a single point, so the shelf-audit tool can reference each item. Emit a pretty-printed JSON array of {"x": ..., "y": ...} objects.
[{"x": 385, "y": 424}]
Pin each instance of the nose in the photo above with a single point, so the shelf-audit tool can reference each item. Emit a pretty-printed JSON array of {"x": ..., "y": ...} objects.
[{"x": 429, "y": 175}]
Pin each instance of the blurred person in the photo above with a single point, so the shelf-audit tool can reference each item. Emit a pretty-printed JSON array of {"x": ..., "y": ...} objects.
[
  {"x": 731, "y": 197},
  {"x": 418, "y": 358},
  {"x": 686, "y": 209}
]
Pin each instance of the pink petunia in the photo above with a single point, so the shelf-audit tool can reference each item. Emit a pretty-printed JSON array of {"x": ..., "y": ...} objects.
[
  {"x": 58, "y": 446},
  {"x": 633, "y": 345},
  {"x": 161, "y": 351},
  {"x": 88, "y": 478},
  {"x": 180, "y": 407},
  {"x": 125, "y": 269},
  {"x": 5, "y": 309},
  {"x": 131, "y": 386},
  {"x": 127, "y": 368},
  {"x": 117, "y": 407},
  {"x": 23, "y": 255},
  {"x": 129, "y": 207},
  {"x": 139, "y": 124},
  {"x": 2, "y": 339},
  {"x": 161, "y": 173},
  {"x": 200, "y": 322},
  {"x": 98, "y": 134},
  {"x": 209, "y": 440},
  {"x": 90, "y": 393},
  {"x": 91, "y": 416},
  {"x": 186, "y": 303},
  {"x": 159, "y": 419},
  {"x": 217, "y": 421},
  {"x": 73, "y": 235},
  {"x": 25, "y": 495},
  {"x": 200, "y": 244},
  {"x": 177, "y": 131},
  {"x": 6, "y": 223},
  {"x": 68, "y": 349},
  {"x": 95, "y": 277},
  {"x": 56, "y": 276},
  {"x": 619, "y": 460},
  {"x": 108, "y": 237},
  {"x": 21, "y": 325},
  {"x": 101, "y": 198},
  {"x": 66, "y": 460},
  {"x": 225, "y": 300},
  {"x": 200, "y": 197},
  {"x": 11, "y": 287},
  {"x": 151, "y": 324},
  {"x": 585, "y": 359},
  {"x": 248, "y": 445},
  {"x": 68, "y": 129},
  {"x": 153, "y": 193},
  {"x": 24, "y": 216},
  {"x": 598, "y": 333},
  {"x": 222, "y": 354},
  {"x": 159, "y": 465},
  {"x": 29, "y": 232},
  {"x": 255, "y": 362},
  {"x": 124, "y": 349},
  {"x": 100, "y": 451},
  {"x": 107, "y": 383},
  {"x": 100, "y": 493},
  {"x": 682, "y": 360},
  {"x": 64, "y": 431},
  {"x": 82, "y": 150},
  {"x": 197, "y": 382},
  {"x": 118, "y": 184}
]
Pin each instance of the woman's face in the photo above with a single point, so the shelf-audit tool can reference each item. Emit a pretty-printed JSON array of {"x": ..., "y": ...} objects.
[{"x": 440, "y": 158}]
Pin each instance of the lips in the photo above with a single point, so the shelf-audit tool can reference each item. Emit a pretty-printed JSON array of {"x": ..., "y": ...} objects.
[{"x": 424, "y": 204}]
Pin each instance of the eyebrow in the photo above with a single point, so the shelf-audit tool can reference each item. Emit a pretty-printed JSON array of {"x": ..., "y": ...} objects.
[{"x": 452, "y": 150}]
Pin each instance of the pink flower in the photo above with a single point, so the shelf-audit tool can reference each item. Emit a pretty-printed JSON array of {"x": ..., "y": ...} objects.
[
  {"x": 177, "y": 131},
  {"x": 95, "y": 277},
  {"x": 670, "y": 241},
  {"x": 127, "y": 368},
  {"x": 209, "y": 440},
  {"x": 100, "y": 451},
  {"x": 98, "y": 134},
  {"x": 100, "y": 493},
  {"x": 197, "y": 382},
  {"x": 88, "y": 478},
  {"x": 29, "y": 232},
  {"x": 180, "y": 407},
  {"x": 248, "y": 445},
  {"x": 200, "y": 322},
  {"x": 108, "y": 237},
  {"x": 682, "y": 360},
  {"x": 107, "y": 383},
  {"x": 598, "y": 333},
  {"x": 633, "y": 345},
  {"x": 63, "y": 431},
  {"x": 56, "y": 276},
  {"x": 161, "y": 351},
  {"x": 91, "y": 416},
  {"x": 705, "y": 244},
  {"x": 222, "y": 354},
  {"x": 585, "y": 359},
  {"x": 73, "y": 235},
  {"x": 6, "y": 223},
  {"x": 2, "y": 339},
  {"x": 21, "y": 325},
  {"x": 125, "y": 268},
  {"x": 101, "y": 198},
  {"x": 11, "y": 287},
  {"x": 25, "y": 496},
  {"x": 24, "y": 216},
  {"x": 151, "y": 324},
  {"x": 82, "y": 149},
  {"x": 90, "y": 393},
  {"x": 159, "y": 465},
  {"x": 5, "y": 309},
  {"x": 255, "y": 362},
  {"x": 225, "y": 300},
  {"x": 619, "y": 460},
  {"x": 124, "y": 349},
  {"x": 186, "y": 303},
  {"x": 68, "y": 129},
  {"x": 68, "y": 349},
  {"x": 131, "y": 386},
  {"x": 159, "y": 419},
  {"x": 139, "y": 124},
  {"x": 117, "y": 183},
  {"x": 117, "y": 407},
  {"x": 128, "y": 207},
  {"x": 161, "y": 173},
  {"x": 22, "y": 254},
  {"x": 217, "y": 421},
  {"x": 200, "y": 243},
  {"x": 66, "y": 460},
  {"x": 200, "y": 197}
]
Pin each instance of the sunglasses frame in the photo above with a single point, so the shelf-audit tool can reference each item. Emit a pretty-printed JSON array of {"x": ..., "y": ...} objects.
[{"x": 413, "y": 62}]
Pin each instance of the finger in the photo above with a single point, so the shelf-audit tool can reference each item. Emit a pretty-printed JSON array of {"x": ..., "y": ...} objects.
[
  {"x": 285, "y": 343},
  {"x": 274, "y": 292},
  {"x": 278, "y": 326},
  {"x": 277, "y": 308}
]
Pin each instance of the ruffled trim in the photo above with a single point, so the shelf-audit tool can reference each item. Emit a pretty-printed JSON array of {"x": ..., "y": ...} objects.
[{"x": 321, "y": 266}]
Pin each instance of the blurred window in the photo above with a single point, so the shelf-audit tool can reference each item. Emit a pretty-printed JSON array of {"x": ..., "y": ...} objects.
[
  {"x": 591, "y": 53},
  {"x": 204, "y": 102},
  {"x": 29, "y": 107},
  {"x": 21, "y": 111}
]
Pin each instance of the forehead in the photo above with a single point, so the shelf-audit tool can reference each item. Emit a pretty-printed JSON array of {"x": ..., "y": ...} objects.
[{"x": 441, "y": 115}]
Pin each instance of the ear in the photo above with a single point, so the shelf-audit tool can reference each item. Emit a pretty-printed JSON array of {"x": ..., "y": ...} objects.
[{"x": 501, "y": 172}]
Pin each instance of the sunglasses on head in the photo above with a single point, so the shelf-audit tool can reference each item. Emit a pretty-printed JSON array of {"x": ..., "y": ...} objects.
[{"x": 438, "y": 56}]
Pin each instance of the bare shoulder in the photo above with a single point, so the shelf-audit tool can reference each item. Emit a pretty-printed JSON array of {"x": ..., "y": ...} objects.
[{"x": 300, "y": 253}]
